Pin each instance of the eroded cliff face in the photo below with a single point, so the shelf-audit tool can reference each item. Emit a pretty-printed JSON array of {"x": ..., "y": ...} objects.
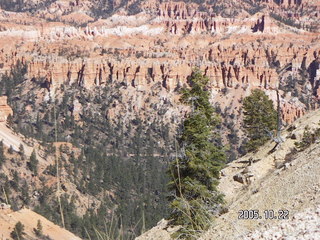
[
  {"x": 151, "y": 54},
  {"x": 228, "y": 66},
  {"x": 113, "y": 72}
]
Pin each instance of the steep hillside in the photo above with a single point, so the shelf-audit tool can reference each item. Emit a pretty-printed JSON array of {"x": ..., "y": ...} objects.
[
  {"x": 282, "y": 180},
  {"x": 100, "y": 82},
  {"x": 29, "y": 219},
  {"x": 10, "y": 138}
]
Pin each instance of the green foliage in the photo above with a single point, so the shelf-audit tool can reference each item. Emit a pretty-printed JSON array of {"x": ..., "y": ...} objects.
[
  {"x": 260, "y": 118},
  {"x": 10, "y": 80},
  {"x": 51, "y": 170},
  {"x": 2, "y": 157},
  {"x": 15, "y": 181},
  {"x": 18, "y": 231},
  {"x": 286, "y": 21},
  {"x": 23, "y": 5},
  {"x": 123, "y": 158},
  {"x": 134, "y": 8},
  {"x": 21, "y": 149},
  {"x": 308, "y": 138},
  {"x": 38, "y": 231},
  {"x": 25, "y": 197},
  {"x": 10, "y": 150},
  {"x": 10, "y": 120},
  {"x": 194, "y": 175},
  {"x": 33, "y": 163}
]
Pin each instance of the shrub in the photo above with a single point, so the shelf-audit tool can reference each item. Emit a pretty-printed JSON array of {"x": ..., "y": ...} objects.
[{"x": 308, "y": 138}]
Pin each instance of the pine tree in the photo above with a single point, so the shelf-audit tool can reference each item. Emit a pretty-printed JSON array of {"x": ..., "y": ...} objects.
[
  {"x": 260, "y": 119},
  {"x": 38, "y": 230},
  {"x": 10, "y": 150},
  {"x": 18, "y": 231},
  {"x": 194, "y": 174},
  {"x": 21, "y": 150},
  {"x": 33, "y": 163},
  {"x": 2, "y": 157}
]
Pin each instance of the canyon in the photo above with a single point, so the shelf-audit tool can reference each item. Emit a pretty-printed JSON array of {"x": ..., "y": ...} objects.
[
  {"x": 146, "y": 51},
  {"x": 110, "y": 73}
]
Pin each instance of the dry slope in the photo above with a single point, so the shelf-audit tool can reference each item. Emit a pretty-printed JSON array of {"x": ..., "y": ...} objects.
[
  {"x": 293, "y": 186},
  {"x": 280, "y": 181},
  {"x": 29, "y": 219}
]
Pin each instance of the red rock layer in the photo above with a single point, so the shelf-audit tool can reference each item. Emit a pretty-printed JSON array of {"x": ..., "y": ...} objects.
[{"x": 5, "y": 110}]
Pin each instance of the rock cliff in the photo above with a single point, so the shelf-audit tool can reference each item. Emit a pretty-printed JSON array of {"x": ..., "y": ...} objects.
[
  {"x": 161, "y": 45},
  {"x": 113, "y": 71}
]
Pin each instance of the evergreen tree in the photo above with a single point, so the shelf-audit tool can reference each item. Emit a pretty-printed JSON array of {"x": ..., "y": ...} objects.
[
  {"x": 10, "y": 150},
  {"x": 21, "y": 150},
  {"x": 25, "y": 197},
  {"x": 260, "y": 119},
  {"x": 194, "y": 174},
  {"x": 38, "y": 230},
  {"x": 33, "y": 163},
  {"x": 2, "y": 157},
  {"x": 18, "y": 231}
]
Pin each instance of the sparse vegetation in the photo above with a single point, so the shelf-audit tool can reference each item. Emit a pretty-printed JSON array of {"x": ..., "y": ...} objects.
[
  {"x": 38, "y": 230},
  {"x": 18, "y": 232},
  {"x": 308, "y": 138},
  {"x": 286, "y": 21}
]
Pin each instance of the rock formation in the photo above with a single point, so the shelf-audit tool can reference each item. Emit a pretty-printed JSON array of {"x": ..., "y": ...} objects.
[
  {"x": 123, "y": 63},
  {"x": 5, "y": 110},
  {"x": 162, "y": 44}
]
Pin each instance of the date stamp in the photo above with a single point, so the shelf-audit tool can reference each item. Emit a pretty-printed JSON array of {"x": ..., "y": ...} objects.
[{"x": 266, "y": 214}]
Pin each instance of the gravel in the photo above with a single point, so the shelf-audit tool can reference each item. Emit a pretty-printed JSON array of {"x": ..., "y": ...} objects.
[{"x": 302, "y": 226}]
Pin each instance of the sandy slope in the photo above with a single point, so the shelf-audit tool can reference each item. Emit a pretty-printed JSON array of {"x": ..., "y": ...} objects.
[
  {"x": 29, "y": 219},
  {"x": 11, "y": 139}
]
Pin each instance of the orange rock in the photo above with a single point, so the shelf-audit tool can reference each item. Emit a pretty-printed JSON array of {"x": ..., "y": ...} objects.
[{"x": 5, "y": 109}]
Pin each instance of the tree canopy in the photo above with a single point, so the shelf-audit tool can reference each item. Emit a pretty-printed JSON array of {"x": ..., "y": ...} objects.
[
  {"x": 260, "y": 119},
  {"x": 18, "y": 231},
  {"x": 194, "y": 173}
]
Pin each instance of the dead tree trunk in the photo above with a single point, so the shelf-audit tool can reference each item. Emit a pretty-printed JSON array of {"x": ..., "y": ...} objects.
[{"x": 277, "y": 138}]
